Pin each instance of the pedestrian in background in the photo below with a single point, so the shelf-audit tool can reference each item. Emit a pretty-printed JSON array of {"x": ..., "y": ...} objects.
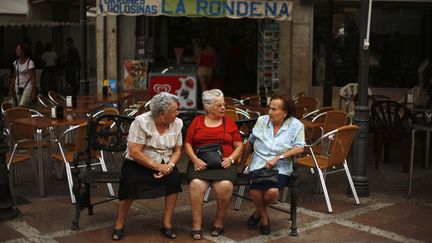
[
  {"x": 73, "y": 64},
  {"x": 48, "y": 80},
  {"x": 23, "y": 85}
]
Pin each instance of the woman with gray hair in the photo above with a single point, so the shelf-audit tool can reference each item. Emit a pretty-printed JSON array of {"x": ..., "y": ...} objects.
[
  {"x": 149, "y": 168},
  {"x": 212, "y": 128}
]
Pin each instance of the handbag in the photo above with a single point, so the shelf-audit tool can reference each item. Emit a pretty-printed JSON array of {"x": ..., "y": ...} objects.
[
  {"x": 211, "y": 153},
  {"x": 265, "y": 176}
]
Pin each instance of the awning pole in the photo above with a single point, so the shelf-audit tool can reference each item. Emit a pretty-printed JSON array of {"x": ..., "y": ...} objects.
[
  {"x": 361, "y": 117},
  {"x": 83, "y": 20}
]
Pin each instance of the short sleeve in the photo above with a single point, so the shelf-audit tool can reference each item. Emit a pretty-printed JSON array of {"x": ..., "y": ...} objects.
[
  {"x": 233, "y": 129},
  {"x": 31, "y": 65},
  {"x": 136, "y": 133},
  {"x": 179, "y": 125},
  {"x": 191, "y": 131},
  {"x": 251, "y": 138},
  {"x": 300, "y": 138}
]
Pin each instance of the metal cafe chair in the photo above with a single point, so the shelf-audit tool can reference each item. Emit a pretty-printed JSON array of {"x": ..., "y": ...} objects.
[
  {"x": 340, "y": 141},
  {"x": 43, "y": 101},
  {"x": 57, "y": 98}
]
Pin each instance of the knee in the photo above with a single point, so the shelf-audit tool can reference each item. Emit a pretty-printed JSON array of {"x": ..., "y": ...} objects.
[
  {"x": 272, "y": 193},
  {"x": 225, "y": 187},
  {"x": 197, "y": 186}
]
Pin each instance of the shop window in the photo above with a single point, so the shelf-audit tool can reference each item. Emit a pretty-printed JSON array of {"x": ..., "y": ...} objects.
[{"x": 399, "y": 44}]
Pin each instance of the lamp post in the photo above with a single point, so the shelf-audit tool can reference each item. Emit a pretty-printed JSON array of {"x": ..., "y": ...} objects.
[
  {"x": 7, "y": 203},
  {"x": 361, "y": 117}
]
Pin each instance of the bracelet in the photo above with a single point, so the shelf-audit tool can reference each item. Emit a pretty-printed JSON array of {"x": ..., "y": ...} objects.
[
  {"x": 232, "y": 160},
  {"x": 171, "y": 164}
]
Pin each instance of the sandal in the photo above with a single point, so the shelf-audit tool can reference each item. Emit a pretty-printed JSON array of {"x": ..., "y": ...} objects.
[
  {"x": 197, "y": 234},
  {"x": 117, "y": 234},
  {"x": 216, "y": 231},
  {"x": 168, "y": 232}
]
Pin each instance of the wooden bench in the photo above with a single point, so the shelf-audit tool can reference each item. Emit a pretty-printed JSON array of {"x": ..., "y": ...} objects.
[{"x": 109, "y": 133}]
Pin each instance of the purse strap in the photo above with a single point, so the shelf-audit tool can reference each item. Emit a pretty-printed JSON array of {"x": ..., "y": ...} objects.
[{"x": 223, "y": 136}]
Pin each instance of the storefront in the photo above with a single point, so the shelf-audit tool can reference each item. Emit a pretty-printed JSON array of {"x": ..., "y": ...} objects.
[
  {"x": 400, "y": 38},
  {"x": 257, "y": 42}
]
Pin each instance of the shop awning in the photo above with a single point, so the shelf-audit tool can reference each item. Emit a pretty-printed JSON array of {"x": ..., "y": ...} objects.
[
  {"x": 259, "y": 9},
  {"x": 15, "y": 13}
]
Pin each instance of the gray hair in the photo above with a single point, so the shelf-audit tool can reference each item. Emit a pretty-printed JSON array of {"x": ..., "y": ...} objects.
[
  {"x": 209, "y": 95},
  {"x": 160, "y": 103}
]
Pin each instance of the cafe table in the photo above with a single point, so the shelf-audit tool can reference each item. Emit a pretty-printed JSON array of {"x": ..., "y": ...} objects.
[
  {"x": 79, "y": 109},
  {"x": 40, "y": 123}
]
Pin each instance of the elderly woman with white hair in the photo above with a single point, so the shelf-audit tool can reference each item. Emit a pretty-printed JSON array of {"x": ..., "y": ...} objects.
[
  {"x": 212, "y": 128},
  {"x": 149, "y": 168}
]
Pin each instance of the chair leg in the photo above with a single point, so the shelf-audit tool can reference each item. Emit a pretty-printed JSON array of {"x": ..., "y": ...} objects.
[
  {"x": 104, "y": 169},
  {"x": 348, "y": 174},
  {"x": 70, "y": 183},
  {"x": 323, "y": 185},
  {"x": 207, "y": 194},
  {"x": 68, "y": 174},
  {"x": 239, "y": 200}
]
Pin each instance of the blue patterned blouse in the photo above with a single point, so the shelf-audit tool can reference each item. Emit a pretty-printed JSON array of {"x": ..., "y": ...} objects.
[{"x": 266, "y": 145}]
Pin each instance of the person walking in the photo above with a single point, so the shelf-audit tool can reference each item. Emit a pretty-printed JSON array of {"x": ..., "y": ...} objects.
[
  {"x": 23, "y": 84},
  {"x": 73, "y": 64}
]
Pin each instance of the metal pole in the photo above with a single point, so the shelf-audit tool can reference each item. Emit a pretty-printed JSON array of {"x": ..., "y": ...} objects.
[
  {"x": 7, "y": 203},
  {"x": 83, "y": 21},
  {"x": 328, "y": 83},
  {"x": 361, "y": 117}
]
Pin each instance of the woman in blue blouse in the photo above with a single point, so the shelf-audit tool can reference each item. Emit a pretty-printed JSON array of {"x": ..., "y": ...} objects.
[{"x": 275, "y": 139}]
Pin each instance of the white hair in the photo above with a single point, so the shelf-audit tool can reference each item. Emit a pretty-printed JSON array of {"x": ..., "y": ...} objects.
[
  {"x": 209, "y": 95},
  {"x": 160, "y": 103}
]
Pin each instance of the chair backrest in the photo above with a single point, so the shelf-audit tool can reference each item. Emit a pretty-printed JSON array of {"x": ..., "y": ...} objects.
[
  {"x": 300, "y": 111},
  {"x": 43, "y": 101},
  {"x": 232, "y": 113},
  {"x": 57, "y": 98},
  {"x": 391, "y": 117},
  {"x": 19, "y": 131},
  {"x": 335, "y": 119},
  {"x": 231, "y": 101},
  {"x": 348, "y": 93},
  {"x": 315, "y": 113},
  {"x": 298, "y": 95},
  {"x": 252, "y": 100},
  {"x": 6, "y": 106},
  {"x": 341, "y": 140},
  {"x": 310, "y": 103}
]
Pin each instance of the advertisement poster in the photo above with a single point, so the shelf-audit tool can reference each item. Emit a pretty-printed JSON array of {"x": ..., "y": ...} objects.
[
  {"x": 135, "y": 75},
  {"x": 185, "y": 87}
]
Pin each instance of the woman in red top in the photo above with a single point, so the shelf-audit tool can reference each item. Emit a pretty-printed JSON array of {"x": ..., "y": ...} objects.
[
  {"x": 206, "y": 60},
  {"x": 212, "y": 128}
]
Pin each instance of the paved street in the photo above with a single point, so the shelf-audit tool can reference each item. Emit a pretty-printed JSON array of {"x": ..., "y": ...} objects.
[{"x": 387, "y": 215}]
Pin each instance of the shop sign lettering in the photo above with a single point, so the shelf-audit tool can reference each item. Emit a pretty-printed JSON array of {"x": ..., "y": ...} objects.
[{"x": 275, "y": 9}]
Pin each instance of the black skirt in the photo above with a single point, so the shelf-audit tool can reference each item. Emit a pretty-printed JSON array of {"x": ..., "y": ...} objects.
[
  {"x": 283, "y": 181},
  {"x": 229, "y": 174},
  {"x": 137, "y": 182}
]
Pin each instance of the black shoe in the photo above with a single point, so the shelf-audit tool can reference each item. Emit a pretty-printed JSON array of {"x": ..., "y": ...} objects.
[
  {"x": 252, "y": 221},
  {"x": 265, "y": 229},
  {"x": 117, "y": 234},
  {"x": 216, "y": 231},
  {"x": 168, "y": 232}
]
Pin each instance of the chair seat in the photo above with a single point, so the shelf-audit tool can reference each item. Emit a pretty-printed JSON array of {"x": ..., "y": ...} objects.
[
  {"x": 29, "y": 145},
  {"x": 17, "y": 158},
  {"x": 308, "y": 161},
  {"x": 68, "y": 154}
]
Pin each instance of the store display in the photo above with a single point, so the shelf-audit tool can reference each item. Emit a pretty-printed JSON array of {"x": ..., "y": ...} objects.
[{"x": 268, "y": 57}]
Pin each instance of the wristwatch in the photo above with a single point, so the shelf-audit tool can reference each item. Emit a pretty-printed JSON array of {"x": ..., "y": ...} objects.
[{"x": 281, "y": 156}]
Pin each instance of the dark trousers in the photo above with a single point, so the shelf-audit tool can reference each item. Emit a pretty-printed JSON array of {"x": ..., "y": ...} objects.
[{"x": 72, "y": 78}]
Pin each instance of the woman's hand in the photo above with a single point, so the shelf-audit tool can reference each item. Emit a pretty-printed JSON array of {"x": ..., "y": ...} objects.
[
  {"x": 199, "y": 165},
  {"x": 271, "y": 163},
  {"x": 227, "y": 162},
  {"x": 164, "y": 170}
]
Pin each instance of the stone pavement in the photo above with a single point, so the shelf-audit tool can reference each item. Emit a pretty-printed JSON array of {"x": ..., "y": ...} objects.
[{"x": 387, "y": 215}]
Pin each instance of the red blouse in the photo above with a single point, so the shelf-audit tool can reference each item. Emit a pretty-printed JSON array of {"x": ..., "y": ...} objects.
[{"x": 199, "y": 134}]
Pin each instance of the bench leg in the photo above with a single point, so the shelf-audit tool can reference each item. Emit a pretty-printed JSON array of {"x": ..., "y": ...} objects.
[
  {"x": 293, "y": 190},
  {"x": 207, "y": 195}
]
